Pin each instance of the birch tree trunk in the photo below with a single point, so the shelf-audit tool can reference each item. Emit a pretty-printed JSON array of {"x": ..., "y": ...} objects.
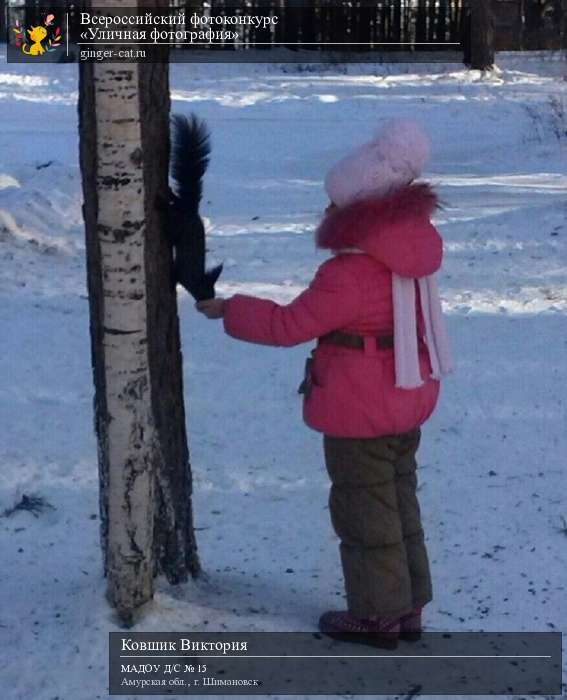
[{"x": 144, "y": 469}]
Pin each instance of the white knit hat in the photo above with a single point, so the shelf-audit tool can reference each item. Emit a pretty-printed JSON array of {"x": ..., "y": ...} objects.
[{"x": 393, "y": 158}]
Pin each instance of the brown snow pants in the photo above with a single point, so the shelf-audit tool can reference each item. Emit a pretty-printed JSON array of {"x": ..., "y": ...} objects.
[{"x": 375, "y": 512}]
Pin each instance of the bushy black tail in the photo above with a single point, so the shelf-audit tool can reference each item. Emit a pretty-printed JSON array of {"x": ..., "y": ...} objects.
[
  {"x": 190, "y": 149},
  {"x": 189, "y": 158}
]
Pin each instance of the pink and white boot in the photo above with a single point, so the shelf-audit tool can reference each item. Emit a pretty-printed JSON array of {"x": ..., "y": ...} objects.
[
  {"x": 411, "y": 626},
  {"x": 381, "y": 632}
]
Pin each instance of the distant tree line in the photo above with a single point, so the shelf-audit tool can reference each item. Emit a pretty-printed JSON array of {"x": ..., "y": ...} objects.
[
  {"x": 529, "y": 24},
  {"x": 365, "y": 24},
  {"x": 515, "y": 24}
]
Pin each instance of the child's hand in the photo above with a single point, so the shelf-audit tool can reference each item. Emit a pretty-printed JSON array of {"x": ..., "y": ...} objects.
[{"x": 211, "y": 308}]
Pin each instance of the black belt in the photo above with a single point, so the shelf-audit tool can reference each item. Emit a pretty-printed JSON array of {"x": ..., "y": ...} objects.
[{"x": 356, "y": 342}]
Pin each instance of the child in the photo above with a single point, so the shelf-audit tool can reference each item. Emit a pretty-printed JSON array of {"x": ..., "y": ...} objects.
[{"x": 373, "y": 379}]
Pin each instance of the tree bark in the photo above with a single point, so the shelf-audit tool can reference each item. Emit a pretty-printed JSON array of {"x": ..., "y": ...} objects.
[
  {"x": 30, "y": 12},
  {"x": 564, "y": 25},
  {"x": 144, "y": 470},
  {"x": 397, "y": 31},
  {"x": 441, "y": 21},
  {"x": 3, "y": 11},
  {"x": 421, "y": 22},
  {"x": 482, "y": 35}
]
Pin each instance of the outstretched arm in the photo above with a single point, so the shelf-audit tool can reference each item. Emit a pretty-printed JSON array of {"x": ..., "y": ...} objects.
[{"x": 331, "y": 301}]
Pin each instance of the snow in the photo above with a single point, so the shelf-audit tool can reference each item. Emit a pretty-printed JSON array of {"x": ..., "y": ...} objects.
[{"x": 493, "y": 456}]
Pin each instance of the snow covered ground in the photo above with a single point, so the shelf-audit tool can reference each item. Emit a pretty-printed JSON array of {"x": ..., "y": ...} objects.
[{"x": 493, "y": 457}]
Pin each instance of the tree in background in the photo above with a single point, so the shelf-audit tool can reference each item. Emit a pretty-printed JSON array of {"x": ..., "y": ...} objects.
[
  {"x": 145, "y": 475},
  {"x": 478, "y": 35},
  {"x": 2, "y": 21},
  {"x": 533, "y": 23},
  {"x": 421, "y": 22}
]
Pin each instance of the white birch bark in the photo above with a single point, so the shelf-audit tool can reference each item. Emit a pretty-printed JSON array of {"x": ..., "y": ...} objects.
[
  {"x": 146, "y": 512},
  {"x": 130, "y": 438}
]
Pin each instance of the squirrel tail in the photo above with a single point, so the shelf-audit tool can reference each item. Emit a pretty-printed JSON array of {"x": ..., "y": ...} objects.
[{"x": 190, "y": 149}]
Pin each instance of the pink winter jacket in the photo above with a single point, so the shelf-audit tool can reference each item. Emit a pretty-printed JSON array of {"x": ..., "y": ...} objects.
[{"x": 353, "y": 391}]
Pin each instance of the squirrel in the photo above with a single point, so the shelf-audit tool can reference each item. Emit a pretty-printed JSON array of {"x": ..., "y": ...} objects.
[{"x": 190, "y": 150}]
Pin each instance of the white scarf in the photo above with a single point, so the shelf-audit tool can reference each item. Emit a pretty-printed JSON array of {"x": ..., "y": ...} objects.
[
  {"x": 406, "y": 354},
  {"x": 408, "y": 375}
]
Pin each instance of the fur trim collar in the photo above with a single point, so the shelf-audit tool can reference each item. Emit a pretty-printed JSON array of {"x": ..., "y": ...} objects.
[{"x": 351, "y": 225}]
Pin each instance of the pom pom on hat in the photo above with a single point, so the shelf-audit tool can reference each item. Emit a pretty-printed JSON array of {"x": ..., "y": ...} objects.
[{"x": 393, "y": 158}]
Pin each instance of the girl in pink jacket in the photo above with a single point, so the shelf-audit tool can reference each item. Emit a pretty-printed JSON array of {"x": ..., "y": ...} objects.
[{"x": 373, "y": 378}]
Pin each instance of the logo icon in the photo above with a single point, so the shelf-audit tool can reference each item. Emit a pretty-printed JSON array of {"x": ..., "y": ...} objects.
[{"x": 43, "y": 38}]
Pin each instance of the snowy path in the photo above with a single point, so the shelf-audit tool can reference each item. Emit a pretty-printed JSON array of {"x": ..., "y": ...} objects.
[{"x": 493, "y": 456}]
